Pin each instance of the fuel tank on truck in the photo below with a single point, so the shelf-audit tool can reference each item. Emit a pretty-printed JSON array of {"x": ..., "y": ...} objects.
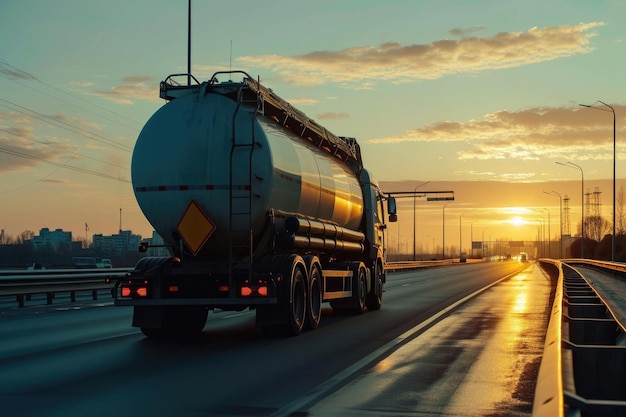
[{"x": 212, "y": 158}]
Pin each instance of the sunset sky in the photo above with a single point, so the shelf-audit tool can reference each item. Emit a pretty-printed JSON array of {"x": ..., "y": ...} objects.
[{"x": 452, "y": 92}]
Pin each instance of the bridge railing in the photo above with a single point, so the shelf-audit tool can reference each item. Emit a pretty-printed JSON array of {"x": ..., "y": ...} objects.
[
  {"x": 582, "y": 371},
  {"x": 24, "y": 284}
]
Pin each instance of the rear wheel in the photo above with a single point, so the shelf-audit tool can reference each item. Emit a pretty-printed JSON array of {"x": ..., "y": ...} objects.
[
  {"x": 288, "y": 316},
  {"x": 314, "y": 299},
  {"x": 297, "y": 306}
]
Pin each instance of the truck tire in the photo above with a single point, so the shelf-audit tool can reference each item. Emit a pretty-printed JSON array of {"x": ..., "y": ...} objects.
[
  {"x": 297, "y": 307},
  {"x": 375, "y": 297},
  {"x": 314, "y": 293},
  {"x": 288, "y": 317},
  {"x": 359, "y": 294}
]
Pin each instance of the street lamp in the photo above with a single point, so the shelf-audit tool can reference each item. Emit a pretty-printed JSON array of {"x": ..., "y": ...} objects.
[
  {"x": 542, "y": 233},
  {"x": 612, "y": 110},
  {"x": 554, "y": 193},
  {"x": 443, "y": 231},
  {"x": 414, "y": 220},
  {"x": 549, "y": 236},
  {"x": 582, "y": 204},
  {"x": 472, "y": 237},
  {"x": 483, "y": 242},
  {"x": 461, "y": 234}
]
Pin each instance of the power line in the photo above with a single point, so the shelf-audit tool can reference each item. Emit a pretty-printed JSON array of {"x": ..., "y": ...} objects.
[
  {"x": 13, "y": 73},
  {"x": 58, "y": 164},
  {"x": 71, "y": 152},
  {"x": 64, "y": 125}
]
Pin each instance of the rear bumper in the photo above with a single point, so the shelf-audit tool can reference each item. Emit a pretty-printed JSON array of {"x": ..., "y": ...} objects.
[{"x": 208, "y": 302}]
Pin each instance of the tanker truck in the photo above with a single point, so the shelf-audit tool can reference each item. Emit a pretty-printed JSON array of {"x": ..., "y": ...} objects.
[{"x": 260, "y": 208}]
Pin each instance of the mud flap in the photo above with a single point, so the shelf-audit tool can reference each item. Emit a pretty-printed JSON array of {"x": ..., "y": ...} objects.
[{"x": 148, "y": 317}]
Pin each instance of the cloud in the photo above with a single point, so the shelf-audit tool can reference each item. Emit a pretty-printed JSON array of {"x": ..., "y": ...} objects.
[
  {"x": 530, "y": 134},
  {"x": 361, "y": 65},
  {"x": 138, "y": 87},
  {"x": 335, "y": 116},
  {"x": 13, "y": 73},
  {"x": 56, "y": 181},
  {"x": 303, "y": 101},
  {"x": 84, "y": 84},
  {"x": 20, "y": 146},
  {"x": 460, "y": 32}
]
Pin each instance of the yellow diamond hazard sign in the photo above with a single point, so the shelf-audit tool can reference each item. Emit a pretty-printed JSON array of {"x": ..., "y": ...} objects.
[{"x": 195, "y": 227}]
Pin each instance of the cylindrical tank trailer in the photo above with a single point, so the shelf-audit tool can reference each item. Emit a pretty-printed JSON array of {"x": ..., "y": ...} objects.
[{"x": 262, "y": 208}]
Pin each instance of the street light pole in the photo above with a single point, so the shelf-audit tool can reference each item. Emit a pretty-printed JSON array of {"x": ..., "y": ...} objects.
[
  {"x": 443, "y": 231},
  {"x": 613, "y": 111},
  {"x": 472, "y": 238},
  {"x": 461, "y": 234},
  {"x": 582, "y": 204},
  {"x": 483, "y": 242},
  {"x": 554, "y": 193},
  {"x": 549, "y": 236},
  {"x": 414, "y": 220}
]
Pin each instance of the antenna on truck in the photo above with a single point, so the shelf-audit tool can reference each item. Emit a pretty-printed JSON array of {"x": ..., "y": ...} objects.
[{"x": 189, "y": 43}]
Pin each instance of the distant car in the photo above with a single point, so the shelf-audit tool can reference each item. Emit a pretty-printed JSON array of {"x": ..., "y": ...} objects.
[{"x": 104, "y": 263}]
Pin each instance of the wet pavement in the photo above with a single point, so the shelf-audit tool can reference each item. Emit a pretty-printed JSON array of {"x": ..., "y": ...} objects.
[{"x": 481, "y": 360}]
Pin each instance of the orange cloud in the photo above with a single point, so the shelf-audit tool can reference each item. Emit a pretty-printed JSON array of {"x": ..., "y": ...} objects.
[
  {"x": 336, "y": 116},
  {"x": 19, "y": 147},
  {"x": 527, "y": 134},
  {"x": 131, "y": 88},
  {"x": 394, "y": 62}
]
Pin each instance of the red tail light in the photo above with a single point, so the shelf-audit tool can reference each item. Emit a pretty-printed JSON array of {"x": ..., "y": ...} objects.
[{"x": 254, "y": 291}]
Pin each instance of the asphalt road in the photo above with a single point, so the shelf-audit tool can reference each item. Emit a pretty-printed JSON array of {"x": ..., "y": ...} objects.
[{"x": 85, "y": 359}]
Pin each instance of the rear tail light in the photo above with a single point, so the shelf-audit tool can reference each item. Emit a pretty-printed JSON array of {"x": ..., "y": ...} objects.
[
  {"x": 134, "y": 289},
  {"x": 258, "y": 289}
]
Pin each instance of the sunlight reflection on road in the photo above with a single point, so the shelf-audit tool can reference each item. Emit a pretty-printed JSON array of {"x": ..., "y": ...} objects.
[{"x": 478, "y": 361}]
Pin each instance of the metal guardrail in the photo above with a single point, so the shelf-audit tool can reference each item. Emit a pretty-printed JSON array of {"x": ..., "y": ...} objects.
[
  {"x": 404, "y": 265},
  {"x": 23, "y": 284},
  {"x": 582, "y": 371}
]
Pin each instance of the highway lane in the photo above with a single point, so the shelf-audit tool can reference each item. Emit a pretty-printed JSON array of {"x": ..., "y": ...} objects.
[
  {"x": 480, "y": 360},
  {"x": 59, "y": 361}
]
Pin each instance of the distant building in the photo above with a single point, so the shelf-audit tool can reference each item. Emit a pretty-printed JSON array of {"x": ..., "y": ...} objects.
[
  {"x": 124, "y": 241},
  {"x": 57, "y": 239}
]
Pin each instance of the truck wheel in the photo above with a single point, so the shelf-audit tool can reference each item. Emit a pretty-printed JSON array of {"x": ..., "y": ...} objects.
[
  {"x": 375, "y": 297},
  {"x": 360, "y": 291},
  {"x": 297, "y": 307},
  {"x": 314, "y": 299}
]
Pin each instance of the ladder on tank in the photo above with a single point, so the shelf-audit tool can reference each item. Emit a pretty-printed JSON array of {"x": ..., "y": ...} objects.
[{"x": 240, "y": 237}]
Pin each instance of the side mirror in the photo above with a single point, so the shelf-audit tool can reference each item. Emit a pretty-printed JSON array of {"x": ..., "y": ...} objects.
[{"x": 391, "y": 209}]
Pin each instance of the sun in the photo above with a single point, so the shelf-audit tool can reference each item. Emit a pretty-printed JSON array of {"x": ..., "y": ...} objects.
[{"x": 517, "y": 221}]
